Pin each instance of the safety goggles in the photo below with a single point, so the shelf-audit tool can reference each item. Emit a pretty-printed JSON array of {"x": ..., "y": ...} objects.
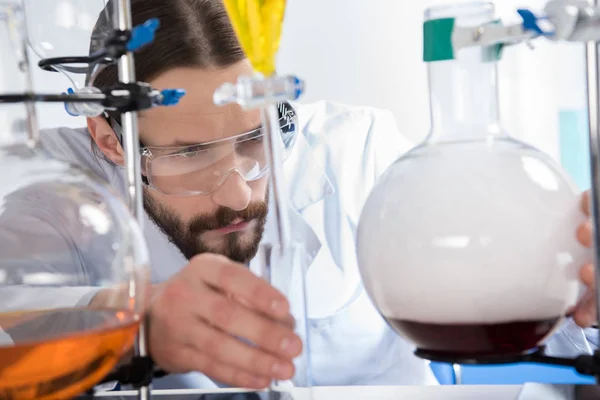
[{"x": 201, "y": 169}]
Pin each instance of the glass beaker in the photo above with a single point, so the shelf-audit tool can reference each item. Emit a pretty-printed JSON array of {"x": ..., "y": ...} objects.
[
  {"x": 73, "y": 261},
  {"x": 467, "y": 244}
]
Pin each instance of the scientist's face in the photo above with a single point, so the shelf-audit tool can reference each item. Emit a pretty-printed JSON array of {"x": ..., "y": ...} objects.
[{"x": 231, "y": 219}]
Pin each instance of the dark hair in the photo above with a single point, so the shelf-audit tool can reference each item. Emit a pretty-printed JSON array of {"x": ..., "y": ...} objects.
[{"x": 192, "y": 33}]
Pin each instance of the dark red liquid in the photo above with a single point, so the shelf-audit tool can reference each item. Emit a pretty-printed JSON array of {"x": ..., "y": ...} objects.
[{"x": 477, "y": 340}]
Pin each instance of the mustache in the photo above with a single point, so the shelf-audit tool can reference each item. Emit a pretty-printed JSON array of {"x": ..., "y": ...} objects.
[{"x": 225, "y": 216}]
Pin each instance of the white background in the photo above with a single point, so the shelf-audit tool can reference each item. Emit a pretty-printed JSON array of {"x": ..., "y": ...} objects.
[{"x": 368, "y": 53}]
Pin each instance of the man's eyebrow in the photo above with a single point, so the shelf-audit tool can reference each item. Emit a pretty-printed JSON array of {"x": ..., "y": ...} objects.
[
  {"x": 186, "y": 143},
  {"x": 181, "y": 143}
]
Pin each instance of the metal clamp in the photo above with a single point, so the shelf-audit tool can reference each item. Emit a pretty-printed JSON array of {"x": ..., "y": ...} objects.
[
  {"x": 562, "y": 20},
  {"x": 117, "y": 45},
  {"x": 139, "y": 372}
]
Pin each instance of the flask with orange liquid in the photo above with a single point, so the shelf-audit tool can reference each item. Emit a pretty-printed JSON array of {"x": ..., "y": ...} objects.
[{"x": 66, "y": 241}]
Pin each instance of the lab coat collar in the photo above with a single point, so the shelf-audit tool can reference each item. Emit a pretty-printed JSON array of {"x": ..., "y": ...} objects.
[
  {"x": 305, "y": 175},
  {"x": 307, "y": 184}
]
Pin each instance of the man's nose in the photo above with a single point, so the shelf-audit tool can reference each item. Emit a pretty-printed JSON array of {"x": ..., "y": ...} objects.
[{"x": 234, "y": 193}]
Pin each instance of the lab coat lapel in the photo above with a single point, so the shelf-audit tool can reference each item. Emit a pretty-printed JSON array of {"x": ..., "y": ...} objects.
[
  {"x": 305, "y": 176},
  {"x": 307, "y": 184}
]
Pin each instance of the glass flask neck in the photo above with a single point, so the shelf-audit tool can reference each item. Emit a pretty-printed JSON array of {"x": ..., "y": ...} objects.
[
  {"x": 463, "y": 101},
  {"x": 18, "y": 121},
  {"x": 463, "y": 88}
]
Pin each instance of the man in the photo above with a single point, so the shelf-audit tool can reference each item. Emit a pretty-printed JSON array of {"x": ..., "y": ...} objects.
[{"x": 206, "y": 212}]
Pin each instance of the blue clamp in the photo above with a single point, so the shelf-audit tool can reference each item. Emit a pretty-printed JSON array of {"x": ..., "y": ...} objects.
[
  {"x": 142, "y": 35},
  {"x": 299, "y": 87},
  {"x": 530, "y": 22},
  {"x": 171, "y": 97},
  {"x": 69, "y": 91}
]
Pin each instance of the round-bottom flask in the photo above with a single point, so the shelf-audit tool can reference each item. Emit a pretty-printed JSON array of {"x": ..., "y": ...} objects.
[
  {"x": 72, "y": 276},
  {"x": 467, "y": 245},
  {"x": 73, "y": 261}
]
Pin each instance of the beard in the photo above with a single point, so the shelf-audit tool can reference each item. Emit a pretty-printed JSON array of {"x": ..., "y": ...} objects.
[{"x": 187, "y": 237}]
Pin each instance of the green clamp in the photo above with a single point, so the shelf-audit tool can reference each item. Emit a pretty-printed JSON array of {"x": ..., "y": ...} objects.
[
  {"x": 437, "y": 40},
  {"x": 438, "y": 44}
]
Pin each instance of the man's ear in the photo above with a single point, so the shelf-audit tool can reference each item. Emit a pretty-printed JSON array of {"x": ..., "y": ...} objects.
[{"x": 106, "y": 139}]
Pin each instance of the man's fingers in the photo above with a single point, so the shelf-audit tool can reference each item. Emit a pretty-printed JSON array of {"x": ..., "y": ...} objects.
[
  {"x": 239, "y": 281},
  {"x": 288, "y": 320},
  {"x": 197, "y": 322},
  {"x": 585, "y": 203},
  {"x": 231, "y": 351},
  {"x": 232, "y": 317},
  {"x": 584, "y": 234},
  {"x": 195, "y": 360},
  {"x": 587, "y": 276},
  {"x": 585, "y": 315},
  {"x": 585, "y": 312}
]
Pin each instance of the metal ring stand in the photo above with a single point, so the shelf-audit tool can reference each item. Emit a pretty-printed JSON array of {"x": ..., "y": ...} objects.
[
  {"x": 140, "y": 372},
  {"x": 123, "y": 22},
  {"x": 131, "y": 97}
]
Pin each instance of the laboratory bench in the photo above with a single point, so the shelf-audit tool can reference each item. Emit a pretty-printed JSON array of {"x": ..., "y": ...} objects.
[{"x": 451, "y": 392}]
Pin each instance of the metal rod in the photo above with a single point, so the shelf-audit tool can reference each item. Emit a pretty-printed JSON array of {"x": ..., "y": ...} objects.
[
  {"x": 278, "y": 193},
  {"x": 20, "y": 20},
  {"x": 456, "y": 368},
  {"x": 52, "y": 98},
  {"x": 593, "y": 100},
  {"x": 129, "y": 123}
]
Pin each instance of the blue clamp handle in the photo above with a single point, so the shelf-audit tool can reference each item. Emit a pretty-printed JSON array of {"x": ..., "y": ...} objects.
[
  {"x": 171, "y": 97},
  {"x": 69, "y": 91},
  {"x": 143, "y": 34},
  {"x": 530, "y": 22},
  {"x": 299, "y": 88}
]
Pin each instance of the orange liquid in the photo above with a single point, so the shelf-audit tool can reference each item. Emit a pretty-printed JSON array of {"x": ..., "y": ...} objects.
[{"x": 59, "y": 354}]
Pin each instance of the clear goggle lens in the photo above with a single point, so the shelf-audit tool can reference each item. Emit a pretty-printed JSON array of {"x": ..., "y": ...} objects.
[{"x": 203, "y": 168}]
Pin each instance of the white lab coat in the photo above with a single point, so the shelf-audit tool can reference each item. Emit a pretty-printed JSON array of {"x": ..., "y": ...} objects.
[{"x": 335, "y": 163}]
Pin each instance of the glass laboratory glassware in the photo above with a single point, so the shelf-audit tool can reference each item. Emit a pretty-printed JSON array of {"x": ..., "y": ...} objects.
[
  {"x": 467, "y": 244},
  {"x": 281, "y": 260},
  {"x": 286, "y": 271},
  {"x": 63, "y": 28},
  {"x": 73, "y": 262}
]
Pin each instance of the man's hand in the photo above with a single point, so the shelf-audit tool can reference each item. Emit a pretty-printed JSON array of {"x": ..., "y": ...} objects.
[
  {"x": 203, "y": 318},
  {"x": 585, "y": 313}
]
